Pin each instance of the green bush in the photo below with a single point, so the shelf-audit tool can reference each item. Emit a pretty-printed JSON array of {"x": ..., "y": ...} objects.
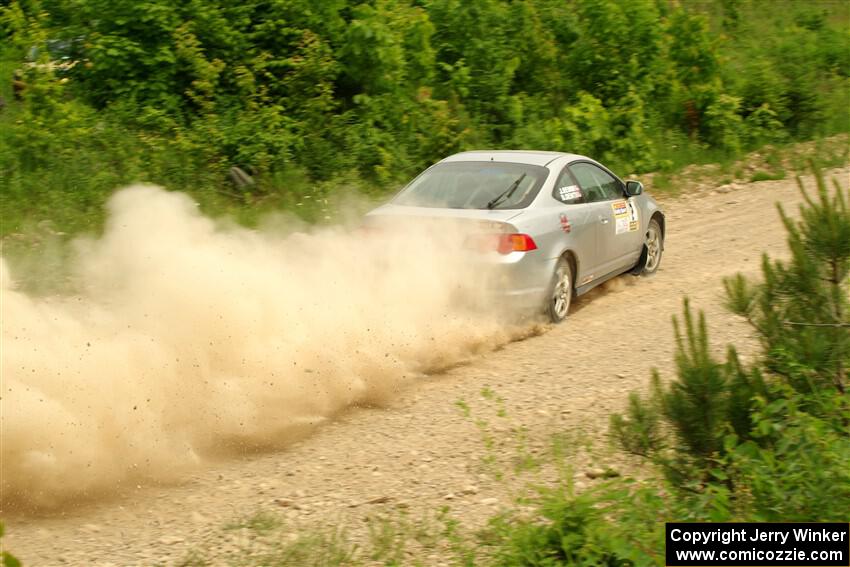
[
  {"x": 8, "y": 560},
  {"x": 797, "y": 466},
  {"x": 178, "y": 93},
  {"x": 574, "y": 534}
]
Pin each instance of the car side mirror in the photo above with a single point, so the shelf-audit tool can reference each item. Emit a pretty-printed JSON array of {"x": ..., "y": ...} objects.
[{"x": 634, "y": 188}]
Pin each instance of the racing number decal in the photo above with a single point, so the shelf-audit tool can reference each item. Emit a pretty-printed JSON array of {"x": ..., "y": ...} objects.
[{"x": 625, "y": 216}]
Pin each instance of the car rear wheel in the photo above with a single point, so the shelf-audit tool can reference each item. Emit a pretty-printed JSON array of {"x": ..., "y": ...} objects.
[
  {"x": 561, "y": 295},
  {"x": 654, "y": 248}
]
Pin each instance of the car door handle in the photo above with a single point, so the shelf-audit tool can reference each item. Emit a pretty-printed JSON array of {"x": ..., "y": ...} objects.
[{"x": 604, "y": 220}]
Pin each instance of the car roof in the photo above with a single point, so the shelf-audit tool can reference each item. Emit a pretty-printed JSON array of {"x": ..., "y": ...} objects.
[{"x": 531, "y": 157}]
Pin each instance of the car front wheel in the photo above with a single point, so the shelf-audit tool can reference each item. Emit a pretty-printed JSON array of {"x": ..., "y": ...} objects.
[
  {"x": 561, "y": 295},
  {"x": 654, "y": 248}
]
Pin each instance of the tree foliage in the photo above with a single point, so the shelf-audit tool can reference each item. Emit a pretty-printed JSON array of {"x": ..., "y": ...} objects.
[
  {"x": 313, "y": 98},
  {"x": 496, "y": 65}
]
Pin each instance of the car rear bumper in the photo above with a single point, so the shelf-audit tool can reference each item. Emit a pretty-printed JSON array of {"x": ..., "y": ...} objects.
[{"x": 519, "y": 281}]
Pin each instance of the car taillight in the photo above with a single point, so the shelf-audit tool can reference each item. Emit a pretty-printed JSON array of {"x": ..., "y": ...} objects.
[
  {"x": 503, "y": 243},
  {"x": 515, "y": 243}
]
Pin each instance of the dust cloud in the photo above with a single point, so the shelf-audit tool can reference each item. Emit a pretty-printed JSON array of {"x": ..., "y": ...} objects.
[{"x": 188, "y": 339}]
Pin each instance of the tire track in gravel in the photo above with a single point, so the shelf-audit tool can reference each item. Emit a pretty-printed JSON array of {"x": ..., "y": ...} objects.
[{"x": 421, "y": 449}]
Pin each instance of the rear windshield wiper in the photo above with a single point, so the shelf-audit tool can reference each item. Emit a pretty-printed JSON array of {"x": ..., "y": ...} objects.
[{"x": 506, "y": 194}]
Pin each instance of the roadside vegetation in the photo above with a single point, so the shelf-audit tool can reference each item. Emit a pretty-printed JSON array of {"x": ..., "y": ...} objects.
[{"x": 315, "y": 101}]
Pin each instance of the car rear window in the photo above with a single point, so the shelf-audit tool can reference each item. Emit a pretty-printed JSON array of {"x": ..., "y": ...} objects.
[{"x": 474, "y": 185}]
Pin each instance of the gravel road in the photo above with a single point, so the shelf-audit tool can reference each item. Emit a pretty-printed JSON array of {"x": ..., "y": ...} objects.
[{"x": 422, "y": 451}]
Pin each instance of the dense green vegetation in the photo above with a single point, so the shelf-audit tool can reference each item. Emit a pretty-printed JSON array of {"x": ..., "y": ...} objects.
[{"x": 309, "y": 97}]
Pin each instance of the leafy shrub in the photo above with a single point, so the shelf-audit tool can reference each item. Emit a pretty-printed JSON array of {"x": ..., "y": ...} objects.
[
  {"x": 574, "y": 532},
  {"x": 181, "y": 92},
  {"x": 8, "y": 560},
  {"x": 796, "y": 467}
]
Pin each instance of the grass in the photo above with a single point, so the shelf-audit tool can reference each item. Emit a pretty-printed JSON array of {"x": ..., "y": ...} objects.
[
  {"x": 261, "y": 522},
  {"x": 767, "y": 176},
  {"x": 771, "y": 162},
  {"x": 393, "y": 539},
  {"x": 323, "y": 549}
]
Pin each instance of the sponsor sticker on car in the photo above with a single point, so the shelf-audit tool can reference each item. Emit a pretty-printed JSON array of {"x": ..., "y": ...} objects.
[{"x": 625, "y": 216}]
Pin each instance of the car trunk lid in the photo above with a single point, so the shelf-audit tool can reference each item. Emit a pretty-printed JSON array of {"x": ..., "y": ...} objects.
[{"x": 471, "y": 218}]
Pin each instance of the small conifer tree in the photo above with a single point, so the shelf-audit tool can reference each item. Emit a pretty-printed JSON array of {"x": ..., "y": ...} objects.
[
  {"x": 801, "y": 310},
  {"x": 709, "y": 400},
  {"x": 801, "y": 314}
]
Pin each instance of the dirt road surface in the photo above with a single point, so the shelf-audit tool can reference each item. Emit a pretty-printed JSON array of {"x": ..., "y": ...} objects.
[{"x": 422, "y": 452}]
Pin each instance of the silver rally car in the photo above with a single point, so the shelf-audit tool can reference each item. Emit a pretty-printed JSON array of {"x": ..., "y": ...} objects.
[{"x": 558, "y": 224}]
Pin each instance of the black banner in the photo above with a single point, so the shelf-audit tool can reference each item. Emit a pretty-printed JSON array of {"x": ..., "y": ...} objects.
[{"x": 761, "y": 544}]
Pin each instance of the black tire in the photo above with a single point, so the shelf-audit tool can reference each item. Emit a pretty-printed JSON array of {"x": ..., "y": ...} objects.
[
  {"x": 561, "y": 291},
  {"x": 653, "y": 249}
]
